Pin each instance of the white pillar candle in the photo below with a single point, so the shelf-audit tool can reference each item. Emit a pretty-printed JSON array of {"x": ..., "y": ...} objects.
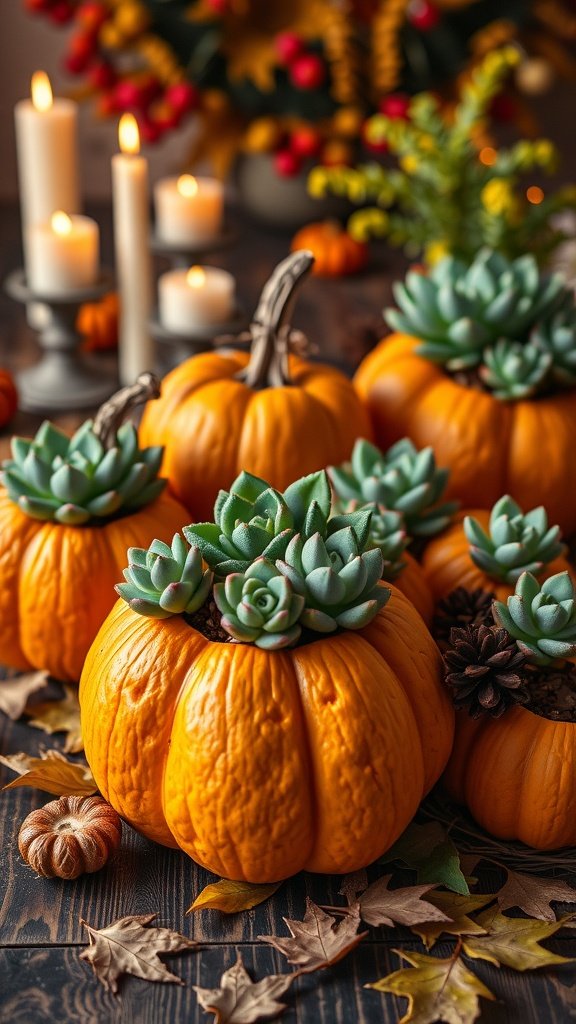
[
  {"x": 63, "y": 255},
  {"x": 46, "y": 139},
  {"x": 188, "y": 209},
  {"x": 199, "y": 297},
  {"x": 133, "y": 262}
]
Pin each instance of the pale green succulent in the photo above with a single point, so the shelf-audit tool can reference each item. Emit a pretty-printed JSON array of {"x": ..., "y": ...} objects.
[
  {"x": 402, "y": 479},
  {"x": 515, "y": 542},
  {"x": 76, "y": 480},
  {"x": 260, "y": 606},
  {"x": 388, "y": 533},
  {"x": 542, "y": 619},
  {"x": 514, "y": 370},
  {"x": 162, "y": 581},
  {"x": 337, "y": 580},
  {"x": 457, "y": 310},
  {"x": 557, "y": 337}
]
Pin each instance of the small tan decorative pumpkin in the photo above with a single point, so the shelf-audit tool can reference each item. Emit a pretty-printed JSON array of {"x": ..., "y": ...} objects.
[
  {"x": 336, "y": 253},
  {"x": 72, "y": 836}
]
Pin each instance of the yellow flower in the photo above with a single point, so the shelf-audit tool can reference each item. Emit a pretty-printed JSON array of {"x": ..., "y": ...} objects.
[
  {"x": 427, "y": 143},
  {"x": 410, "y": 163},
  {"x": 545, "y": 152},
  {"x": 497, "y": 196},
  {"x": 435, "y": 251}
]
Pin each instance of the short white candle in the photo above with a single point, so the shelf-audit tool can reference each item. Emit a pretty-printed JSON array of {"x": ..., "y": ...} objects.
[
  {"x": 188, "y": 209},
  {"x": 199, "y": 297},
  {"x": 63, "y": 255},
  {"x": 133, "y": 261}
]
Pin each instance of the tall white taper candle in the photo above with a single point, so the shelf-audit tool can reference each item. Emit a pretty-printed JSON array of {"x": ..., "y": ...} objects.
[{"x": 133, "y": 260}]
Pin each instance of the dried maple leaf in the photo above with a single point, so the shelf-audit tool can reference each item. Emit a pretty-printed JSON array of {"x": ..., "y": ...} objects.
[
  {"x": 60, "y": 716},
  {"x": 239, "y": 1000},
  {"x": 318, "y": 941},
  {"x": 231, "y": 897},
  {"x": 456, "y": 908},
  {"x": 14, "y": 693},
  {"x": 514, "y": 941},
  {"x": 353, "y": 885},
  {"x": 127, "y": 946},
  {"x": 52, "y": 773},
  {"x": 429, "y": 851},
  {"x": 534, "y": 895},
  {"x": 381, "y": 905},
  {"x": 435, "y": 989}
]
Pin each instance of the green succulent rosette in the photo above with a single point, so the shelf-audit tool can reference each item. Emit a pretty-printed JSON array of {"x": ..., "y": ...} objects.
[
  {"x": 557, "y": 338},
  {"x": 458, "y": 311},
  {"x": 515, "y": 542},
  {"x": 97, "y": 473},
  {"x": 513, "y": 370},
  {"x": 542, "y": 619},
  {"x": 402, "y": 479},
  {"x": 338, "y": 581},
  {"x": 260, "y": 606},
  {"x": 388, "y": 534},
  {"x": 165, "y": 580}
]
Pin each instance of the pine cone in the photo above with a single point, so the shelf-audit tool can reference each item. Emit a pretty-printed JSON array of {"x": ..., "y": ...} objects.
[
  {"x": 482, "y": 666},
  {"x": 461, "y": 608}
]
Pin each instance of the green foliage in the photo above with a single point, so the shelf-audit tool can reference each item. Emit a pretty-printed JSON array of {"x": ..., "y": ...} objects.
[
  {"x": 542, "y": 619},
  {"x": 162, "y": 581},
  {"x": 260, "y": 606},
  {"x": 515, "y": 543},
  {"x": 512, "y": 370},
  {"x": 557, "y": 338}
]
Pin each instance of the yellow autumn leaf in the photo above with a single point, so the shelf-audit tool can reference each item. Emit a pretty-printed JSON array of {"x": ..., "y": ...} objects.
[
  {"x": 60, "y": 716},
  {"x": 232, "y": 897},
  {"x": 515, "y": 941},
  {"x": 456, "y": 908},
  {"x": 52, "y": 773}
]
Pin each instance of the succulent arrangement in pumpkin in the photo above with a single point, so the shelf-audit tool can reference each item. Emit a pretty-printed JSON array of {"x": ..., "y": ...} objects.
[
  {"x": 481, "y": 366},
  {"x": 68, "y": 509},
  {"x": 294, "y": 700},
  {"x": 270, "y": 412}
]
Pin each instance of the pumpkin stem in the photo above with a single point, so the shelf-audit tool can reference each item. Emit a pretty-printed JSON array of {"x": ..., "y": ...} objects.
[
  {"x": 270, "y": 332},
  {"x": 112, "y": 413}
]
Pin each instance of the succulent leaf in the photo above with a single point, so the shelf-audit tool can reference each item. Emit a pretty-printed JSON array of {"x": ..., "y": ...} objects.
[
  {"x": 515, "y": 543},
  {"x": 557, "y": 338},
  {"x": 260, "y": 606},
  {"x": 542, "y": 619},
  {"x": 165, "y": 580},
  {"x": 514, "y": 370}
]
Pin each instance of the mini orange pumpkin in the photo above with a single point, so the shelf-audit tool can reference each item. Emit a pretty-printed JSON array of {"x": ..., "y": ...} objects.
[
  {"x": 276, "y": 415},
  {"x": 98, "y": 322},
  {"x": 336, "y": 253},
  {"x": 8, "y": 398}
]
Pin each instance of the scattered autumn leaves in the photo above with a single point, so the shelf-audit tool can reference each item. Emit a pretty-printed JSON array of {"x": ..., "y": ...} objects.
[{"x": 52, "y": 716}]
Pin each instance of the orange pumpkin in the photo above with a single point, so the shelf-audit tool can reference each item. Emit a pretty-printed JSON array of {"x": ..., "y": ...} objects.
[
  {"x": 489, "y": 445},
  {"x": 275, "y": 415},
  {"x": 336, "y": 253},
  {"x": 98, "y": 322},
  {"x": 261, "y": 763},
  {"x": 8, "y": 398},
  {"x": 413, "y": 583}
]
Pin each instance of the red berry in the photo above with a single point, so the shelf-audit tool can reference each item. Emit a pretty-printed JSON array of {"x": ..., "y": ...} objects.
[
  {"x": 128, "y": 95},
  {"x": 150, "y": 132},
  {"x": 286, "y": 163},
  {"x": 80, "y": 53},
  {"x": 307, "y": 71},
  {"x": 61, "y": 12},
  {"x": 183, "y": 96},
  {"x": 150, "y": 89},
  {"x": 395, "y": 106},
  {"x": 102, "y": 75},
  {"x": 91, "y": 16},
  {"x": 288, "y": 47},
  {"x": 423, "y": 15},
  {"x": 305, "y": 142},
  {"x": 164, "y": 116}
]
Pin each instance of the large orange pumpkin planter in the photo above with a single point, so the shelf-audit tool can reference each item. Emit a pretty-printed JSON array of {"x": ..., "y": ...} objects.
[
  {"x": 285, "y": 749},
  {"x": 68, "y": 510},
  {"x": 271, "y": 413},
  {"x": 447, "y": 379}
]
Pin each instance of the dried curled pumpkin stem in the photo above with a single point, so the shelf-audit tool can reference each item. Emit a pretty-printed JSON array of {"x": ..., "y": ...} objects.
[
  {"x": 112, "y": 413},
  {"x": 270, "y": 332}
]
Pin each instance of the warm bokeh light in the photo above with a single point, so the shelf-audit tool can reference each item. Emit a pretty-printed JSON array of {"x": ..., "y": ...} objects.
[
  {"x": 195, "y": 277},
  {"x": 61, "y": 223},
  {"x": 128, "y": 134},
  {"x": 187, "y": 185},
  {"x": 534, "y": 194},
  {"x": 487, "y": 156},
  {"x": 41, "y": 91}
]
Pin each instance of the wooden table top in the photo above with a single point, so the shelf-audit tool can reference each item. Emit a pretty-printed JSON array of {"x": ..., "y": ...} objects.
[{"x": 41, "y": 976}]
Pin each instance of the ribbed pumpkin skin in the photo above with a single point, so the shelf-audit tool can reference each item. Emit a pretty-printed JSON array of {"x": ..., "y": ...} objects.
[
  {"x": 58, "y": 581},
  {"x": 414, "y": 585},
  {"x": 517, "y": 776},
  {"x": 260, "y": 764},
  {"x": 447, "y": 563},
  {"x": 8, "y": 398},
  {"x": 336, "y": 253},
  {"x": 213, "y": 426},
  {"x": 525, "y": 448}
]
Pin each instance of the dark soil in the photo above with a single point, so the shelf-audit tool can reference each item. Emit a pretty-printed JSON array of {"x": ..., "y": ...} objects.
[
  {"x": 553, "y": 693},
  {"x": 207, "y": 621}
]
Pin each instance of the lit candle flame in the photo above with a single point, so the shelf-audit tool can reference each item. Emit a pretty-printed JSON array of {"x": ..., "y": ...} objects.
[
  {"x": 187, "y": 185},
  {"x": 195, "y": 277},
  {"x": 128, "y": 134},
  {"x": 61, "y": 223},
  {"x": 41, "y": 91}
]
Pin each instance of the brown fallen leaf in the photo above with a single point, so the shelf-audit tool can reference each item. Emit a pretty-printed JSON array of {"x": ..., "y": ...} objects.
[
  {"x": 14, "y": 692},
  {"x": 514, "y": 941},
  {"x": 127, "y": 946},
  {"x": 318, "y": 941},
  {"x": 435, "y": 989},
  {"x": 381, "y": 905},
  {"x": 353, "y": 885},
  {"x": 239, "y": 1000},
  {"x": 534, "y": 895},
  {"x": 231, "y": 897},
  {"x": 60, "y": 716},
  {"x": 52, "y": 773},
  {"x": 457, "y": 922}
]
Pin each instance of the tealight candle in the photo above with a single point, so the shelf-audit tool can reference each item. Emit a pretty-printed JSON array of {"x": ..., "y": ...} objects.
[
  {"x": 63, "y": 255},
  {"x": 188, "y": 209},
  {"x": 199, "y": 297}
]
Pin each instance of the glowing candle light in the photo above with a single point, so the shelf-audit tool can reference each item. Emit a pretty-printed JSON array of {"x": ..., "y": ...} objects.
[
  {"x": 63, "y": 255},
  {"x": 188, "y": 210},
  {"x": 198, "y": 297}
]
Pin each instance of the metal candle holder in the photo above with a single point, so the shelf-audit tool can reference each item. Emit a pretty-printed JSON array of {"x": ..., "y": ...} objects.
[
  {"x": 64, "y": 378},
  {"x": 182, "y": 254},
  {"x": 196, "y": 339}
]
